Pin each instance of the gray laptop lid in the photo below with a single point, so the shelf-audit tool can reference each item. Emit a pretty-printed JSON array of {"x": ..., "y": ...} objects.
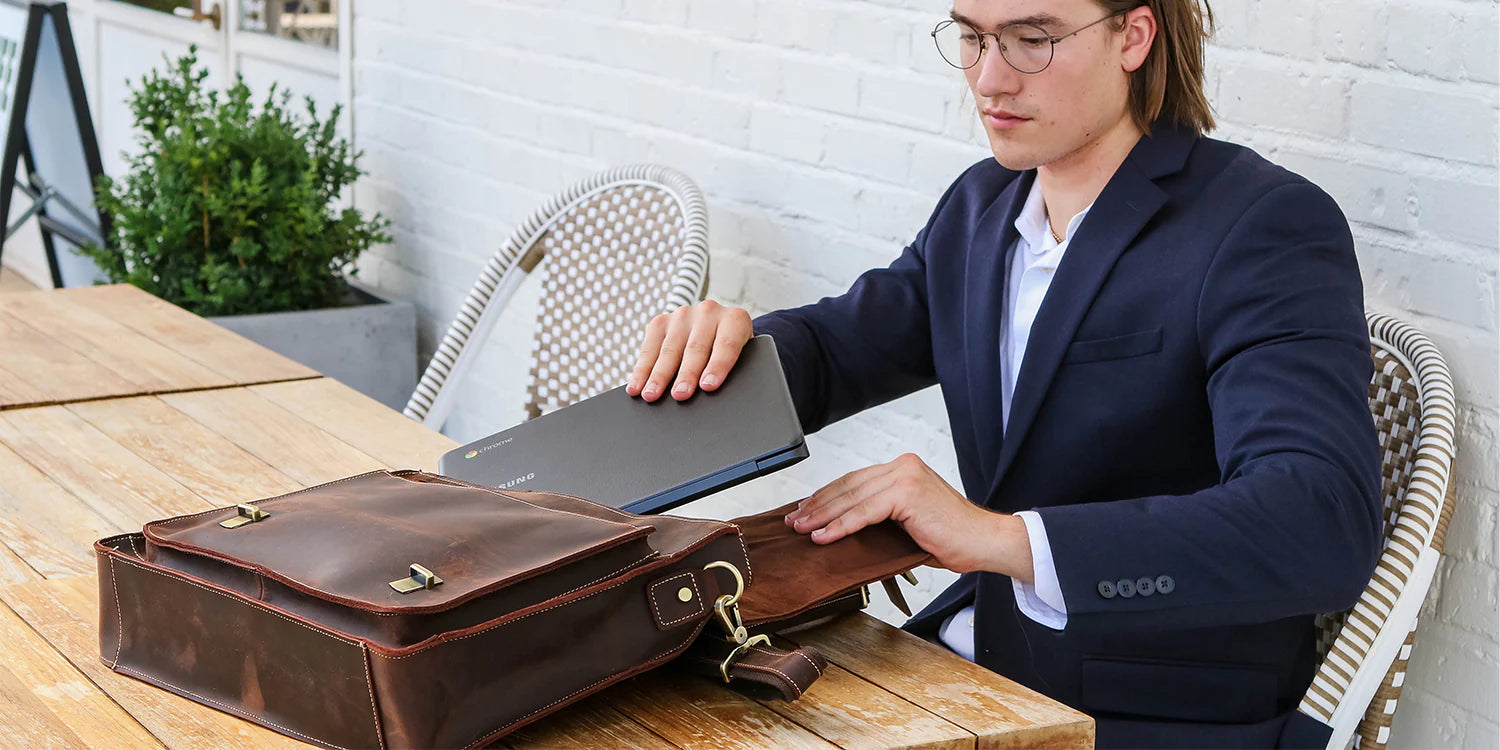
[{"x": 647, "y": 457}]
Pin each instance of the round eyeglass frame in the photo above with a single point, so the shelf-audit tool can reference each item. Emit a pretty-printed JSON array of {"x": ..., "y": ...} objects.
[{"x": 984, "y": 43}]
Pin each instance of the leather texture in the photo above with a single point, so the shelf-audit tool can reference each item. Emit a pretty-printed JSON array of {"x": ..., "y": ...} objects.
[
  {"x": 800, "y": 583},
  {"x": 797, "y": 574},
  {"x": 290, "y": 621}
]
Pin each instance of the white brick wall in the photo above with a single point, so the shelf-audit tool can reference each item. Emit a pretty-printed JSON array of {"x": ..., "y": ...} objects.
[{"x": 823, "y": 131}]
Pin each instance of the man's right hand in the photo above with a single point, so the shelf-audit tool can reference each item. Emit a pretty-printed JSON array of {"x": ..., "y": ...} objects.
[{"x": 691, "y": 347}]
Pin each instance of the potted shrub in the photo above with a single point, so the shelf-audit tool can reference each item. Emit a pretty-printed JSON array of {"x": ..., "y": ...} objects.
[{"x": 231, "y": 210}]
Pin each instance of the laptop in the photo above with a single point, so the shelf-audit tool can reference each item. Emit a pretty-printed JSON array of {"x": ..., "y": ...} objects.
[{"x": 648, "y": 457}]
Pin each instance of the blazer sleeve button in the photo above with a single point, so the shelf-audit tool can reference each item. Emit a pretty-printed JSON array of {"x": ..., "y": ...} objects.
[
  {"x": 1145, "y": 586},
  {"x": 1165, "y": 584},
  {"x": 1106, "y": 589},
  {"x": 1126, "y": 587}
]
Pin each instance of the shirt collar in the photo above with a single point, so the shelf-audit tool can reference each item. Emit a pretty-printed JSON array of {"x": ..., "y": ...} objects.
[{"x": 1032, "y": 222}]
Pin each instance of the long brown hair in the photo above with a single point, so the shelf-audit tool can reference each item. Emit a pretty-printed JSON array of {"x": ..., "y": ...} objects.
[{"x": 1169, "y": 84}]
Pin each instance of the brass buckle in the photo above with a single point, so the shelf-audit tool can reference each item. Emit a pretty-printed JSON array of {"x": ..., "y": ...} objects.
[
  {"x": 741, "y": 650},
  {"x": 729, "y": 618},
  {"x": 247, "y": 514},
  {"x": 727, "y": 605},
  {"x": 421, "y": 578},
  {"x": 727, "y": 609},
  {"x": 739, "y": 581}
]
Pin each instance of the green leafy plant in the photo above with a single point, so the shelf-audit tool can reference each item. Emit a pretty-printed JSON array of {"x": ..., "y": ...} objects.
[{"x": 228, "y": 208}]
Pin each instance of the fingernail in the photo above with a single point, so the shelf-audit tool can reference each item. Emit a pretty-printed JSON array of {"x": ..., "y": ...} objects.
[
  {"x": 681, "y": 389},
  {"x": 634, "y": 386},
  {"x": 820, "y": 533},
  {"x": 651, "y": 391},
  {"x": 710, "y": 381}
]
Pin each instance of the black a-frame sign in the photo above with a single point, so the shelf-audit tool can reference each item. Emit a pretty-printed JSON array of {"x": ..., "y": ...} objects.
[{"x": 46, "y": 128}]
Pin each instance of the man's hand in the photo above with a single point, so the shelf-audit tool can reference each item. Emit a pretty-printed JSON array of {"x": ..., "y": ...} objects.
[
  {"x": 693, "y": 347},
  {"x": 961, "y": 535}
]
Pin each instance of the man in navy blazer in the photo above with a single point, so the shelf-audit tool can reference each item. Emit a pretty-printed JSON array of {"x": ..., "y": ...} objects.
[{"x": 1152, "y": 350}]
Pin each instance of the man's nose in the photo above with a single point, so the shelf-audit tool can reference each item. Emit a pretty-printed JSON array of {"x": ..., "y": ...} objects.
[{"x": 995, "y": 76}]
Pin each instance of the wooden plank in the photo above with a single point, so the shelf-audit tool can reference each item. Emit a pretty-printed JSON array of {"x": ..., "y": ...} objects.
[
  {"x": 15, "y": 390},
  {"x": 44, "y": 524},
  {"x": 71, "y": 705},
  {"x": 691, "y": 712},
  {"x": 856, "y": 714},
  {"x": 39, "y": 370},
  {"x": 237, "y": 358},
  {"x": 198, "y": 458},
  {"x": 65, "y": 612},
  {"x": 28, "y": 722},
  {"x": 1000, "y": 712},
  {"x": 10, "y": 281},
  {"x": 135, "y": 357},
  {"x": 291, "y": 444},
  {"x": 121, "y": 487},
  {"x": 14, "y": 570},
  {"x": 361, "y": 421},
  {"x": 588, "y": 723}
]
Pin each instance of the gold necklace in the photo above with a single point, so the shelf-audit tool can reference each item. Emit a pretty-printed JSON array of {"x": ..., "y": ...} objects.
[{"x": 1054, "y": 232}]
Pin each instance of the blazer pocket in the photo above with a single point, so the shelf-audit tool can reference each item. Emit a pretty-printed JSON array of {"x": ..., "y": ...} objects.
[
  {"x": 1222, "y": 693},
  {"x": 1114, "y": 347}
]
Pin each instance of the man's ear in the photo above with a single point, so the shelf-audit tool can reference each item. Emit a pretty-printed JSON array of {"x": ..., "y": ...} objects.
[{"x": 1139, "y": 34}]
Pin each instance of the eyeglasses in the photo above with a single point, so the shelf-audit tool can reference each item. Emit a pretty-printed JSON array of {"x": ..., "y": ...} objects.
[{"x": 1024, "y": 47}]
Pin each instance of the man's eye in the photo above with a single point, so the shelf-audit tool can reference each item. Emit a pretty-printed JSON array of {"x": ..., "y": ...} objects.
[
  {"x": 1034, "y": 41},
  {"x": 969, "y": 38}
]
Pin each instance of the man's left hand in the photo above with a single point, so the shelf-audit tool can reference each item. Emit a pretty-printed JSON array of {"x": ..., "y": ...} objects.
[{"x": 961, "y": 535}]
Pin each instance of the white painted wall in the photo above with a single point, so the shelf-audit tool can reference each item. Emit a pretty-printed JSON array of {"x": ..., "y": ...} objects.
[{"x": 822, "y": 132}]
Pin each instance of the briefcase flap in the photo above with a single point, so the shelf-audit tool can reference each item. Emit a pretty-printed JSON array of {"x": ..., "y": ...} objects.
[
  {"x": 404, "y": 542},
  {"x": 796, "y": 575}
]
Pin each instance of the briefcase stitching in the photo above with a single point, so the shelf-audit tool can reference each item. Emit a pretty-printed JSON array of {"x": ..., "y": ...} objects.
[
  {"x": 513, "y": 621},
  {"x": 114, "y": 583},
  {"x": 370, "y": 684},
  {"x": 170, "y": 521},
  {"x": 773, "y": 670},
  {"x": 809, "y": 660},
  {"x": 365, "y": 606},
  {"x": 698, "y": 596},
  {"x": 120, "y": 641},
  {"x": 168, "y": 573}
]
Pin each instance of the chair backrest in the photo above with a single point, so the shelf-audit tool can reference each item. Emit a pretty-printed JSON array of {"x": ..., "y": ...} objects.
[
  {"x": 1365, "y": 649},
  {"x": 621, "y": 246}
]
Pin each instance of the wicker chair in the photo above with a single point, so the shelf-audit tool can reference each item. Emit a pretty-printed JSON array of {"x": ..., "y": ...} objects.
[
  {"x": 1365, "y": 649},
  {"x": 623, "y": 245}
]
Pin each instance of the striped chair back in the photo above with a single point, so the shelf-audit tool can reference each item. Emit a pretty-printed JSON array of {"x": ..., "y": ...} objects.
[
  {"x": 1365, "y": 649},
  {"x": 621, "y": 247}
]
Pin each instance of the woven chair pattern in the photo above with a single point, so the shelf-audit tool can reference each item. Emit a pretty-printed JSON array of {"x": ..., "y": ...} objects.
[
  {"x": 605, "y": 282},
  {"x": 622, "y": 246},
  {"x": 1412, "y": 402}
]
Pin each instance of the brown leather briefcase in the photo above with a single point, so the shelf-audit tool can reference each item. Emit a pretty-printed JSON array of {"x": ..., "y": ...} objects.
[{"x": 404, "y": 609}]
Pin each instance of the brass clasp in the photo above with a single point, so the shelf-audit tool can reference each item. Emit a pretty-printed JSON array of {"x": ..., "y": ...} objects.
[
  {"x": 421, "y": 578},
  {"x": 247, "y": 514},
  {"x": 727, "y": 609},
  {"x": 741, "y": 650}
]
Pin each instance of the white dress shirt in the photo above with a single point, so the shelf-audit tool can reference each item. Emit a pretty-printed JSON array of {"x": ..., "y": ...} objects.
[{"x": 1033, "y": 264}]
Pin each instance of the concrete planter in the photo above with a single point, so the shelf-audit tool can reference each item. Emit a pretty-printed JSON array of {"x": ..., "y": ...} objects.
[{"x": 369, "y": 345}]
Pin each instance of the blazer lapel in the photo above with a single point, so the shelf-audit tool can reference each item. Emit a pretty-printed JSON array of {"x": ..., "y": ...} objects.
[
  {"x": 1122, "y": 210},
  {"x": 984, "y": 302}
]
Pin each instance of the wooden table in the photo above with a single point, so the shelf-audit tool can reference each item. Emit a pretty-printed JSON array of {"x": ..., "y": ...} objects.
[{"x": 121, "y": 409}]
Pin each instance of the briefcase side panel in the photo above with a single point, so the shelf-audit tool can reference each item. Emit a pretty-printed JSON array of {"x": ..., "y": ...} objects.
[
  {"x": 228, "y": 652},
  {"x": 477, "y": 687}
]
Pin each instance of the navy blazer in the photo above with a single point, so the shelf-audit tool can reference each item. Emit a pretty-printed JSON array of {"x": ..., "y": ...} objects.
[{"x": 1190, "y": 422}]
